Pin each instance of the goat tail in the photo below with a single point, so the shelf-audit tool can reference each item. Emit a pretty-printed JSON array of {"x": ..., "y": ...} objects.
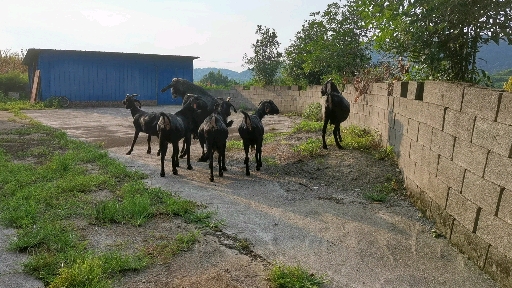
[
  {"x": 247, "y": 120},
  {"x": 164, "y": 122}
]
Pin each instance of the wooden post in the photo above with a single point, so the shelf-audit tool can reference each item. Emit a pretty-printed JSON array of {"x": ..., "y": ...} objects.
[{"x": 35, "y": 86}]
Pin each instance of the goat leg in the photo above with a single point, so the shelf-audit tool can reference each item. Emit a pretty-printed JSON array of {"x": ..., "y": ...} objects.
[
  {"x": 187, "y": 151},
  {"x": 163, "y": 152},
  {"x": 175, "y": 161},
  {"x": 149, "y": 144},
  {"x": 258, "y": 157},
  {"x": 135, "y": 136},
  {"x": 223, "y": 152},
  {"x": 210, "y": 165},
  {"x": 246, "y": 161},
  {"x": 337, "y": 136},
  {"x": 324, "y": 130},
  {"x": 183, "y": 152},
  {"x": 219, "y": 161}
]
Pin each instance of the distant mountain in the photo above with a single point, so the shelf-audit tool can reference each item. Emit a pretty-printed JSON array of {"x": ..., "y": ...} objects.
[
  {"x": 241, "y": 77},
  {"x": 495, "y": 58}
]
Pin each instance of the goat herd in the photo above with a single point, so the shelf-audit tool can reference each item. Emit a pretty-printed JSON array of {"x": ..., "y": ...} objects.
[{"x": 206, "y": 118}]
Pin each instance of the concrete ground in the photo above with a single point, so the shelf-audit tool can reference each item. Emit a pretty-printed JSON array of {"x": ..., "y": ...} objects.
[{"x": 354, "y": 245}]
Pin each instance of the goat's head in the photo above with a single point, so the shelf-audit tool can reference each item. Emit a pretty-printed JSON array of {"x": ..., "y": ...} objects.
[
  {"x": 269, "y": 107},
  {"x": 224, "y": 107},
  {"x": 181, "y": 87},
  {"x": 130, "y": 101},
  {"x": 329, "y": 87},
  {"x": 193, "y": 102}
]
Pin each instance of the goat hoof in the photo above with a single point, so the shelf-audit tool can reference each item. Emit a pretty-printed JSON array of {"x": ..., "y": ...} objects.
[
  {"x": 129, "y": 152},
  {"x": 341, "y": 147},
  {"x": 189, "y": 167},
  {"x": 325, "y": 147},
  {"x": 248, "y": 173},
  {"x": 221, "y": 174},
  {"x": 175, "y": 172},
  {"x": 224, "y": 169},
  {"x": 182, "y": 156},
  {"x": 162, "y": 174}
]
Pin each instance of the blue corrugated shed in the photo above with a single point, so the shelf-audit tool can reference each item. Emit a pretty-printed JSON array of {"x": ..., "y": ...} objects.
[{"x": 106, "y": 76}]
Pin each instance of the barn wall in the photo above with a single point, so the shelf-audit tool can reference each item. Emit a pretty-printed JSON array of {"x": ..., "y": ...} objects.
[
  {"x": 454, "y": 146},
  {"x": 108, "y": 77}
]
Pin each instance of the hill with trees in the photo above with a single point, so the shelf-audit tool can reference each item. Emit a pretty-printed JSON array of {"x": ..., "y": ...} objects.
[{"x": 240, "y": 77}]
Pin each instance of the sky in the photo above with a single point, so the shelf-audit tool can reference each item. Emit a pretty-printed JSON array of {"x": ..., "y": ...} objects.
[{"x": 219, "y": 32}]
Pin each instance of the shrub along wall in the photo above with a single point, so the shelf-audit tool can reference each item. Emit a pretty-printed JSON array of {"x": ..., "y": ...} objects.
[{"x": 454, "y": 146}]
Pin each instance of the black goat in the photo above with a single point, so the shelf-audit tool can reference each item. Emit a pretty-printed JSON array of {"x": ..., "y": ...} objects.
[
  {"x": 142, "y": 121},
  {"x": 251, "y": 131},
  {"x": 213, "y": 133},
  {"x": 206, "y": 102},
  {"x": 337, "y": 110},
  {"x": 172, "y": 128},
  {"x": 223, "y": 110}
]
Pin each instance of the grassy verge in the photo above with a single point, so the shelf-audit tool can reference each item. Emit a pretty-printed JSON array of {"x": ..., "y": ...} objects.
[
  {"x": 48, "y": 183},
  {"x": 284, "y": 276}
]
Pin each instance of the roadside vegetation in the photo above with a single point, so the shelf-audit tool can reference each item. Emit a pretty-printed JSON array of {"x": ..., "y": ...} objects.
[{"x": 49, "y": 185}]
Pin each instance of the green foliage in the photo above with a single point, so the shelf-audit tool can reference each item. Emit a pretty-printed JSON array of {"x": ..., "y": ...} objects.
[
  {"x": 13, "y": 82},
  {"x": 217, "y": 80},
  {"x": 381, "y": 193},
  {"x": 442, "y": 36},
  {"x": 501, "y": 78},
  {"x": 354, "y": 137},
  {"x": 311, "y": 147},
  {"x": 267, "y": 59},
  {"x": 308, "y": 126},
  {"x": 12, "y": 62},
  {"x": 234, "y": 144},
  {"x": 313, "y": 112},
  {"x": 284, "y": 276},
  {"x": 43, "y": 200},
  {"x": 330, "y": 45},
  {"x": 508, "y": 86}
]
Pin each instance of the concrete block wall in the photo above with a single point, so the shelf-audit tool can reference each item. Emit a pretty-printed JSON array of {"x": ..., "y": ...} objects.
[
  {"x": 454, "y": 146},
  {"x": 453, "y": 142}
]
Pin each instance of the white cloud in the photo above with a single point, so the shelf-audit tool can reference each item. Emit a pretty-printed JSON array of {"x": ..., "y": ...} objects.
[{"x": 105, "y": 18}]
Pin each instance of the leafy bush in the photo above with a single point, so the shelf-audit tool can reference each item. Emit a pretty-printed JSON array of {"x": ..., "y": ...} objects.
[
  {"x": 13, "y": 82},
  {"x": 313, "y": 112}
]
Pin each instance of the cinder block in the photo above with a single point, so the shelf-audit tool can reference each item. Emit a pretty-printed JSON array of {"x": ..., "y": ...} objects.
[
  {"x": 459, "y": 124},
  {"x": 494, "y": 136},
  {"x": 432, "y": 114},
  {"x": 499, "y": 170},
  {"x": 412, "y": 129},
  {"x": 505, "y": 112},
  {"x": 400, "y": 89},
  {"x": 499, "y": 267},
  {"x": 495, "y": 231},
  {"x": 482, "y": 192},
  {"x": 462, "y": 209},
  {"x": 482, "y": 102},
  {"x": 436, "y": 189},
  {"x": 442, "y": 143},
  {"x": 423, "y": 155},
  {"x": 444, "y": 94},
  {"x": 442, "y": 219},
  {"x": 470, "y": 156},
  {"x": 505, "y": 209},
  {"x": 417, "y": 196},
  {"x": 469, "y": 243},
  {"x": 415, "y": 90},
  {"x": 425, "y": 134},
  {"x": 450, "y": 173}
]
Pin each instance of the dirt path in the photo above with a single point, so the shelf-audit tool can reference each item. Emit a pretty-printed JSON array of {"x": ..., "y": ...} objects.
[{"x": 310, "y": 213}]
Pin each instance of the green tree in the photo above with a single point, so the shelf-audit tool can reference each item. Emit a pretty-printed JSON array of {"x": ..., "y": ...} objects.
[
  {"x": 331, "y": 44},
  {"x": 267, "y": 59},
  {"x": 439, "y": 36},
  {"x": 216, "y": 79}
]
